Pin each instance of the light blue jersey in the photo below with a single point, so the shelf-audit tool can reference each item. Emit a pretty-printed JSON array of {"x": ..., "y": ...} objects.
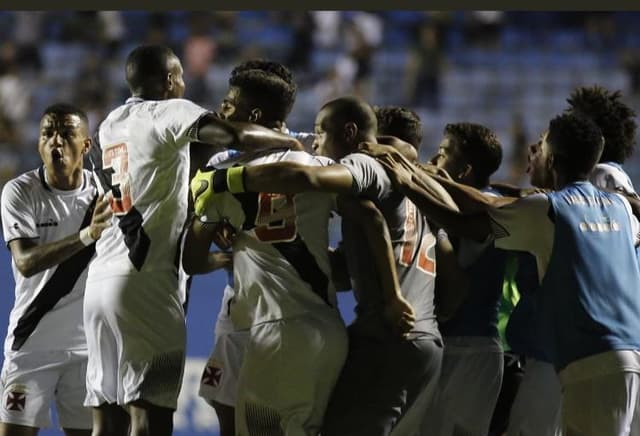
[
  {"x": 589, "y": 295},
  {"x": 583, "y": 241}
]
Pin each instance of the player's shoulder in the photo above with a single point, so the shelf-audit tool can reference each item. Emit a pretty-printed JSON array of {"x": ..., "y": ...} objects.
[
  {"x": 25, "y": 182},
  {"x": 154, "y": 109},
  {"x": 363, "y": 163},
  {"x": 287, "y": 155},
  {"x": 21, "y": 188},
  {"x": 359, "y": 158}
]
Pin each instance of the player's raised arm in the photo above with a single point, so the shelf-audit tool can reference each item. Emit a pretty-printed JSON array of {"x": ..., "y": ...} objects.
[
  {"x": 403, "y": 147},
  {"x": 278, "y": 178},
  {"x": 474, "y": 226},
  {"x": 242, "y": 136},
  {"x": 31, "y": 258}
]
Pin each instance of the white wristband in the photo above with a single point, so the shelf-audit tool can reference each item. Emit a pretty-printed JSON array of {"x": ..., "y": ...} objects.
[{"x": 85, "y": 237}]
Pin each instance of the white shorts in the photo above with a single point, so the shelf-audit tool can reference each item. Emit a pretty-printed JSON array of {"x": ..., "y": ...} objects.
[
  {"x": 468, "y": 387},
  {"x": 31, "y": 380},
  {"x": 536, "y": 407},
  {"x": 601, "y": 395},
  {"x": 219, "y": 381},
  {"x": 289, "y": 369},
  {"x": 136, "y": 338}
]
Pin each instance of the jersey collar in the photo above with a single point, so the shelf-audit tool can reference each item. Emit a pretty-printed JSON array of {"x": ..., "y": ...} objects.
[{"x": 132, "y": 100}]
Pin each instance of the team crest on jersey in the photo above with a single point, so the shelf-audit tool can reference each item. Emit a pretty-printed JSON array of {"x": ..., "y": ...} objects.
[
  {"x": 212, "y": 374},
  {"x": 16, "y": 398}
]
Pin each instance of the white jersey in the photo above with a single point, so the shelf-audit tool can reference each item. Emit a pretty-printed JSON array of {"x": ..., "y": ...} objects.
[
  {"x": 281, "y": 266},
  {"x": 145, "y": 163},
  {"x": 611, "y": 176},
  {"x": 47, "y": 314}
]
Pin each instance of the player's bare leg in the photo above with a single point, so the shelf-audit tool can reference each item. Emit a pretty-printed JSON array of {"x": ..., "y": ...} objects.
[
  {"x": 226, "y": 418},
  {"x": 110, "y": 420},
  {"x": 150, "y": 420},
  {"x": 76, "y": 432},
  {"x": 17, "y": 430}
]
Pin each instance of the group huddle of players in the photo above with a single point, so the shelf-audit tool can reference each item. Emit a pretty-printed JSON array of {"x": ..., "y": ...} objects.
[{"x": 101, "y": 260}]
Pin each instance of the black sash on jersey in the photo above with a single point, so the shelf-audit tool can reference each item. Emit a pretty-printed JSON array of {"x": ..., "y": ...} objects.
[
  {"x": 135, "y": 238},
  {"x": 60, "y": 284},
  {"x": 295, "y": 252}
]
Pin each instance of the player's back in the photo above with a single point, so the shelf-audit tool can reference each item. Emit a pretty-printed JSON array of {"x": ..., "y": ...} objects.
[
  {"x": 589, "y": 292},
  {"x": 145, "y": 163},
  {"x": 413, "y": 244},
  {"x": 280, "y": 258}
]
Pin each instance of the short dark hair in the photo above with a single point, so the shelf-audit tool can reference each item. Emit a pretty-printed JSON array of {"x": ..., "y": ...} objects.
[
  {"x": 576, "y": 142},
  {"x": 270, "y": 84},
  {"x": 400, "y": 122},
  {"x": 615, "y": 119},
  {"x": 147, "y": 66},
  {"x": 480, "y": 146},
  {"x": 353, "y": 109},
  {"x": 62, "y": 109}
]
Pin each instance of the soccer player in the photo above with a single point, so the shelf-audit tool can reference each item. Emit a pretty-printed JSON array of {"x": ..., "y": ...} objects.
[
  {"x": 51, "y": 217},
  {"x": 133, "y": 311},
  {"x": 472, "y": 363},
  {"x": 617, "y": 122},
  {"x": 534, "y": 411},
  {"x": 584, "y": 247},
  {"x": 282, "y": 296},
  {"x": 262, "y": 92},
  {"x": 384, "y": 371},
  {"x": 402, "y": 123}
]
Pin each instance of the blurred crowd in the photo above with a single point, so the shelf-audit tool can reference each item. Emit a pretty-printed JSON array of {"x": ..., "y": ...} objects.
[{"x": 388, "y": 57}]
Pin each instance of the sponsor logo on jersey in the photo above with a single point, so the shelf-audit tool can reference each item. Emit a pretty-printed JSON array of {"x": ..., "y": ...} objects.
[
  {"x": 16, "y": 398},
  {"x": 49, "y": 223}
]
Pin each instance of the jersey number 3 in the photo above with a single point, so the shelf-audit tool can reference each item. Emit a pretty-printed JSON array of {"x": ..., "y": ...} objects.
[{"x": 115, "y": 160}]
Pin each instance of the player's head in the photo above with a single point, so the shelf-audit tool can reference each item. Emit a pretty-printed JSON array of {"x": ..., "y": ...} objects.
[
  {"x": 342, "y": 124},
  {"x": 64, "y": 138},
  {"x": 567, "y": 152},
  {"x": 615, "y": 119},
  {"x": 400, "y": 122},
  {"x": 261, "y": 92},
  {"x": 154, "y": 72},
  {"x": 469, "y": 152}
]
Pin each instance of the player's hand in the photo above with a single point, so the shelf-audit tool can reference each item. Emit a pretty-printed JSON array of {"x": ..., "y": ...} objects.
[
  {"x": 400, "y": 172},
  {"x": 202, "y": 190},
  {"x": 433, "y": 170},
  {"x": 399, "y": 315},
  {"x": 220, "y": 259},
  {"x": 101, "y": 218},
  {"x": 224, "y": 234}
]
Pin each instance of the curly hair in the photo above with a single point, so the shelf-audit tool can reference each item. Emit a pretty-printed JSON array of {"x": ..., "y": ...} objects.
[
  {"x": 576, "y": 142},
  {"x": 615, "y": 119},
  {"x": 479, "y": 145},
  {"x": 400, "y": 122},
  {"x": 269, "y": 84}
]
